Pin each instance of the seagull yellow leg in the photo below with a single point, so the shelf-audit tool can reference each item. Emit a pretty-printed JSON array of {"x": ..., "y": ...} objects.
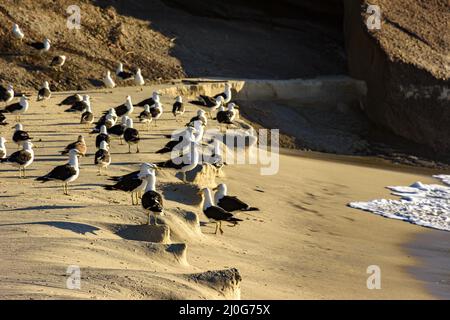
[
  {"x": 129, "y": 148},
  {"x": 220, "y": 227},
  {"x": 137, "y": 148},
  {"x": 148, "y": 218},
  {"x": 132, "y": 199},
  {"x": 217, "y": 226}
]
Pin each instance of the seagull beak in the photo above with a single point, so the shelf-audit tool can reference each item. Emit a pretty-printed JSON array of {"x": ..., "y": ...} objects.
[{"x": 216, "y": 188}]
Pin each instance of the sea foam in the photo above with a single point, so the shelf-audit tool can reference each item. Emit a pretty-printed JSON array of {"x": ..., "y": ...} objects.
[{"x": 426, "y": 205}]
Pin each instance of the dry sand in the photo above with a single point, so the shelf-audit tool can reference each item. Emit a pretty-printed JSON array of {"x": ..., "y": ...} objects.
[{"x": 303, "y": 244}]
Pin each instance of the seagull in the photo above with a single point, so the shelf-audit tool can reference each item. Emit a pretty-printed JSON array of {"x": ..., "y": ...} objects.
[
  {"x": 152, "y": 201},
  {"x": 132, "y": 182},
  {"x": 108, "y": 81},
  {"x": 125, "y": 109},
  {"x": 44, "y": 93},
  {"x": 79, "y": 145},
  {"x": 80, "y": 106},
  {"x": 123, "y": 75},
  {"x": 17, "y": 33},
  {"x": 215, "y": 213},
  {"x": 41, "y": 46},
  {"x": 194, "y": 158},
  {"x": 230, "y": 203},
  {"x": 58, "y": 61},
  {"x": 226, "y": 94},
  {"x": 177, "y": 140},
  {"x": 200, "y": 116},
  {"x": 66, "y": 173},
  {"x": 138, "y": 78},
  {"x": 20, "y": 136},
  {"x": 145, "y": 116},
  {"x": 131, "y": 135},
  {"x": 70, "y": 100},
  {"x": 108, "y": 120},
  {"x": 102, "y": 157},
  {"x": 17, "y": 108},
  {"x": 6, "y": 94},
  {"x": 211, "y": 103},
  {"x": 21, "y": 159},
  {"x": 102, "y": 136},
  {"x": 87, "y": 117},
  {"x": 150, "y": 101},
  {"x": 156, "y": 111},
  {"x": 118, "y": 129},
  {"x": 216, "y": 158},
  {"x": 2, "y": 148},
  {"x": 178, "y": 107},
  {"x": 199, "y": 130}
]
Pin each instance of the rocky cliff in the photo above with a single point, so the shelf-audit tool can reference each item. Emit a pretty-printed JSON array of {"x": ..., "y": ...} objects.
[{"x": 406, "y": 66}]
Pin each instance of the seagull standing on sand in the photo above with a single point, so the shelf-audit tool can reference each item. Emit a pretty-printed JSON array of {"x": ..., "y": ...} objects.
[
  {"x": 108, "y": 81},
  {"x": 123, "y": 75},
  {"x": 178, "y": 107},
  {"x": 66, "y": 173},
  {"x": 125, "y": 109},
  {"x": 17, "y": 108},
  {"x": 44, "y": 92},
  {"x": 200, "y": 116},
  {"x": 21, "y": 159},
  {"x": 41, "y": 46},
  {"x": 150, "y": 101},
  {"x": 226, "y": 94},
  {"x": 230, "y": 203},
  {"x": 58, "y": 61},
  {"x": 138, "y": 78},
  {"x": 131, "y": 135},
  {"x": 2, "y": 148},
  {"x": 118, "y": 129},
  {"x": 20, "y": 136},
  {"x": 79, "y": 146},
  {"x": 6, "y": 94},
  {"x": 102, "y": 136},
  {"x": 17, "y": 33},
  {"x": 133, "y": 182},
  {"x": 145, "y": 116},
  {"x": 152, "y": 201},
  {"x": 156, "y": 111},
  {"x": 102, "y": 157},
  {"x": 87, "y": 117},
  {"x": 215, "y": 213},
  {"x": 80, "y": 106}
]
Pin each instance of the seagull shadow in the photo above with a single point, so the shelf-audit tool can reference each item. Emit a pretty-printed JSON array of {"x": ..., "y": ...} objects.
[
  {"x": 79, "y": 228},
  {"x": 96, "y": 82},
  {"x": 182, "y": 193}
]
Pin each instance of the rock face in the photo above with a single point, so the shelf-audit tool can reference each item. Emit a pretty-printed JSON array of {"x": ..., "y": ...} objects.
[{"x": 405, "y": 65}]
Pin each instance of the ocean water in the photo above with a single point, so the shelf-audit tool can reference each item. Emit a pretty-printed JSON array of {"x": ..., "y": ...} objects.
[{"x": 426, "y": 205}]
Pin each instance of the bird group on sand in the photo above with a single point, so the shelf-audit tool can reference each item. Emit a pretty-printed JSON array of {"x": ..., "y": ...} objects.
[{"x": 117, "y": 123}]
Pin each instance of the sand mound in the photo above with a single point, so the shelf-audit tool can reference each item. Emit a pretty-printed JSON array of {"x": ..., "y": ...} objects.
[
  {"x": 144, "y": 232},
  {"x": 226, "y": 282}
]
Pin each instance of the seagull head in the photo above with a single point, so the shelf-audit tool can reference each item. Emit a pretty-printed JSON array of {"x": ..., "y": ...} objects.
[
  {"x": 222, "y": 188},
  {"x": 74, "y": 152},
  {"x": 18, "y": 127},
  {"x": 156, "y": 95},
  {"x": 80, "y": 138},
  {"x": 231, "y": 106},
  {"x": 201, "y": 112},
  {"x": 10, "y": 87},
  {"x": 46, "y": 85},
  {"x": 86, "y": 98},
  {"x": 119, "y": 67},
  {"x": 179, "y": 99},
  {"x": 128, "y": 99}
]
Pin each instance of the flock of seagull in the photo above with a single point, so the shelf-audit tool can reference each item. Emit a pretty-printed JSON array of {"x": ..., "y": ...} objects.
[{"x": 117, "y": 123}]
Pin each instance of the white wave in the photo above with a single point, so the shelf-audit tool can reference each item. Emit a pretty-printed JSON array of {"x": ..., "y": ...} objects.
[{"x": 426, "y": 205}]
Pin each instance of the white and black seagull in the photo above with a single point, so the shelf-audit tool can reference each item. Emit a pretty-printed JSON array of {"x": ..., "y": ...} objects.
[
  {"x": 118, "y": 129},
  {"x": 80, "y": 106},
  {"x": 102, "y": 136},
  {"x": 230, "y": 203},
  {"x": 125, "y": 109},
  {"x": 133, "y": 182},
  {"x": 20, "y": 136},
  {"x": 215, "y": 213},
  {"x": 87, "y": 117},
  {"x": 21, "y": 159},
  {"x": 178, "y": 107},
  {"x": 17, "y": 108},
  {"x": 58, "y": 61},
  {"x": 156, "y": 111},
  {"x": 44, "y": 92},
  {"x": 138, "y": 78},
  {"x": 70, "y": 100},
  {"x": 150, "y": 101},
  {"x": 131, "y": 135},
  {"x": 226, "y": 94},
  {"x": 66, "y": 173},
  {"x": 152, "y": 201},
  {"x": 123, "y": 75},
  {"x": 200, "y": 116},
  {"x": 6, "y": 94},
  {"x": 145, "y": 116},
  {"x": 41, "y": 46},
  {"x": 102, "y": 157},
  {"x": 108, "y": 81}
]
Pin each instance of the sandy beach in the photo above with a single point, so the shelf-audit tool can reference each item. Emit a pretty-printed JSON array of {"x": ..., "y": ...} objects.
[{"x": 304, "y": 243}]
